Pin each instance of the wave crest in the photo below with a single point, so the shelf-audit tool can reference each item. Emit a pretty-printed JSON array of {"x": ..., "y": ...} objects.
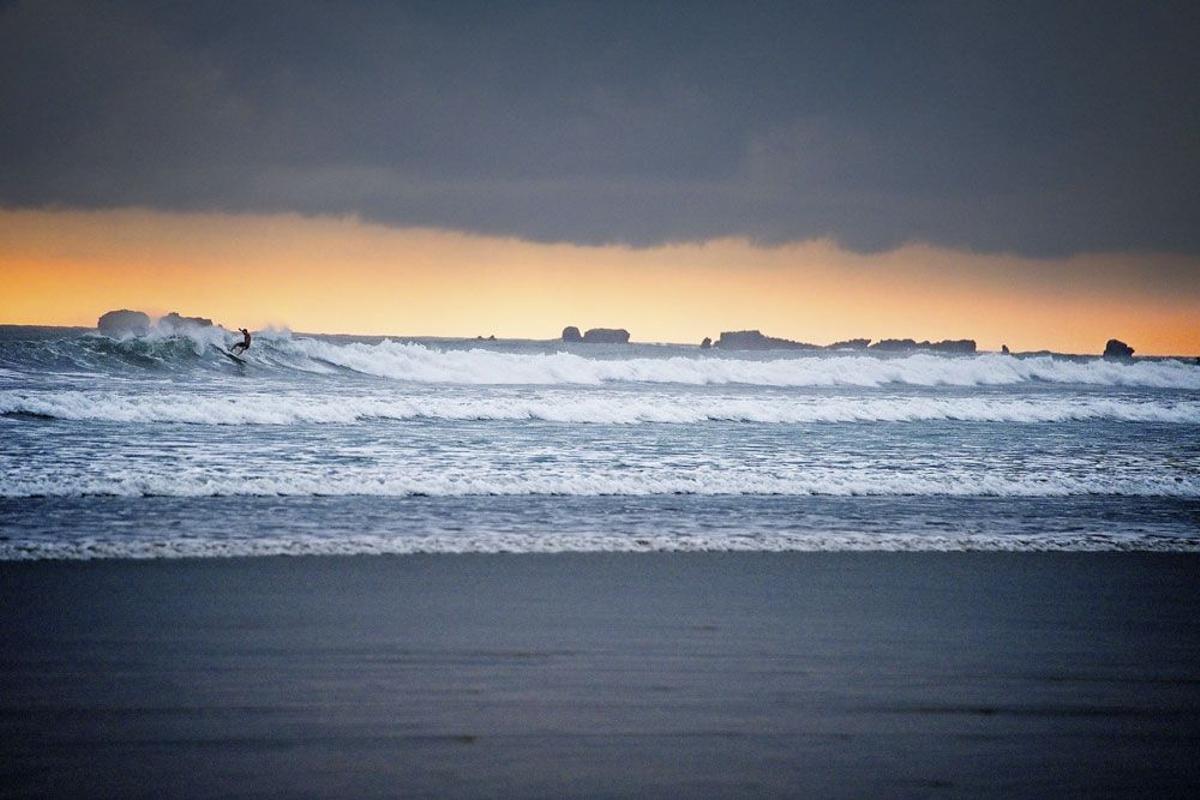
[
  {"x": 279, "y": 351},
  {"x": 834, "y": 482},
  {"x": 590, "y": 408},
  {"x": 421, "y": 364}
]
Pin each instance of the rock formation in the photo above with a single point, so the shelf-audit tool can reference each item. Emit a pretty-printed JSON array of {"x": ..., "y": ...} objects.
[
  {"x": 1115, "y": 348},
  {"x": 175, "y": 322},
  {"x": 571, "y": 334},
  {"x": 119, "y": 323},
  {"x": 706, "y": 344},
  {"x": 850, "y": 344},
  {"x": 895, "y": 344},
  {"x": 1004, "y": 349},
  {"x": 755, "y": 340},
  {"x": 606, "y": 336},
  {"x": 965, "y": 346}
]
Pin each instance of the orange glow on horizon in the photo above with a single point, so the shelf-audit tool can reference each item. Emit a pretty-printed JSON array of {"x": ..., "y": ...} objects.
[{"x": 341, "y": 275}]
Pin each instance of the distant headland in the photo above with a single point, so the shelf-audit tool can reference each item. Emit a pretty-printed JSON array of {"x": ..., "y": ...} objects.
[{"x": 757, "y": 340}]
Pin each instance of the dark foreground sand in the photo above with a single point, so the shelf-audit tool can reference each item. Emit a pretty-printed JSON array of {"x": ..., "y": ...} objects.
[{"x": 639, "y": 675}]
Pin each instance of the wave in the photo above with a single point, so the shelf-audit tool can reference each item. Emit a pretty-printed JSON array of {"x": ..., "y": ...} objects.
[
  {"x": 456, "y": 483},
  {"x": 612, "y": 409},
  {"x": 421, "y": 364},
  {"x": 526, "y": 364}
]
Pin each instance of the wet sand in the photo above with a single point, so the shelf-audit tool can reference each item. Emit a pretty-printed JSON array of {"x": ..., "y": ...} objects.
[{"x": 603, "y": 675}]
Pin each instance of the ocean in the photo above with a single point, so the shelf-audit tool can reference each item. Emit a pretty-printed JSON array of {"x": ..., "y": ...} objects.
[
  {"x": 159, "y": 446},
  {"x": 595, "y": 575}
]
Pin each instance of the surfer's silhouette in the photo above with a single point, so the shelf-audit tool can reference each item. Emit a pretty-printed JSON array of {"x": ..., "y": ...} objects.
[{"x": 243, "y": 345}]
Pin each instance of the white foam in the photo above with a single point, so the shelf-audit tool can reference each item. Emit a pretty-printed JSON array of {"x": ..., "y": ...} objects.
[
  {"x": 200, "y": 339},
  {"x": 420, "y": 364},
  {"x": 577, "y": 407},
  {"x": 431, "y": 364},
  {"x": 403, "y": 481}
]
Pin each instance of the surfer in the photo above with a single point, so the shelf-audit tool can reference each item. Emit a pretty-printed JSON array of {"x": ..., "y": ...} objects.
[{"x": 243, "y": 345}]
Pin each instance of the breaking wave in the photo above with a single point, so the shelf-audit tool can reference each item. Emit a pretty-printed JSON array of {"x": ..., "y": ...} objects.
[
  {"x": 591, "y": 408},
  {"x": 421, "y": 364},
  {"x": 835, "y": 482},
  {"x": 430, "y": 364}
]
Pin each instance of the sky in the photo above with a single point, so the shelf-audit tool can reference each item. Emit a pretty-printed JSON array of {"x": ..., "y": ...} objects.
[{"x": 1020, "y": 173}]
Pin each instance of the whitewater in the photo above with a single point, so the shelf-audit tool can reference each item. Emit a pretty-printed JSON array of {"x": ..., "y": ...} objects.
[{"x": 158, "y": 446}]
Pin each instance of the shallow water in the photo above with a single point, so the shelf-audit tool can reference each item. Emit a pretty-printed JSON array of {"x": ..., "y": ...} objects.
[{"x": 157, "y": 445}]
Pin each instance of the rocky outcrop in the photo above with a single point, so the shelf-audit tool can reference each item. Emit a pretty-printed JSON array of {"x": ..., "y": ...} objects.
[
  {"x": 755, "y": 340},
  {"x": 965, "y": 346},
  {"x": 596, "y": 335},
  {"x": 175, "y": 322},
  {"x": 706, "y": 343},
  {"x": 895, "y": 344},
  {"x": 850, "y": 344},
  {"x": 606, "y": 336},
  {"x": 122, "y": 322},
  {"x": 1115, "y": 348},
  {"x": 1004, "y": 350}
]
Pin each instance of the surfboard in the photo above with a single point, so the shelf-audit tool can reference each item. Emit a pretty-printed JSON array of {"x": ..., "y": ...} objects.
[{"x": 232, "y": 357}]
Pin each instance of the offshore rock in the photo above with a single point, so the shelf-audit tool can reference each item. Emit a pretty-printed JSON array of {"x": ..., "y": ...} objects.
[
  {"x": 175, "y": 322},
  {"x": 755, "y": 340},
  {"x": 571, "y": 334},
  {"x": 706, "y": 343},
  {"x": 118, "y": 323},
  {"x": 1115, "y": 348},
  {"x": 895, "y": 344},
  {"x": 966, "y": 346},
  {"x": 606, "y": 336}
]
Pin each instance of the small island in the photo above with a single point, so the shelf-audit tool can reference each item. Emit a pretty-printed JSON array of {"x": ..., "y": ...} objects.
[
  {"x": 1115, "y": 348},
  {"x": 756, "y": 340},
  {"x": 596, "y": 335},
  {"x": 175, "y": 322},
  {"x": 964, "y": 346},
  {"x": 123, "y": 322}
]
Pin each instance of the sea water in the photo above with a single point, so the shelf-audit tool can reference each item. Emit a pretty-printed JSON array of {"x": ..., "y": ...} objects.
[{"x": 158, "y": 445}]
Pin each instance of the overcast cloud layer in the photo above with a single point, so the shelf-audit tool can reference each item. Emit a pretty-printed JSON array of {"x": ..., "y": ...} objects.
[{"x": 1045, "y": 129}]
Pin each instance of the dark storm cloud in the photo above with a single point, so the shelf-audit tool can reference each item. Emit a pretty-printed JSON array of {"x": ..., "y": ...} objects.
[{"x": 1041, "y": 128}]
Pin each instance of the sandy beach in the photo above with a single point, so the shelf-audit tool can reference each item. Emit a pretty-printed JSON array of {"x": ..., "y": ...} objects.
[{"x": 603, "y": 675}]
